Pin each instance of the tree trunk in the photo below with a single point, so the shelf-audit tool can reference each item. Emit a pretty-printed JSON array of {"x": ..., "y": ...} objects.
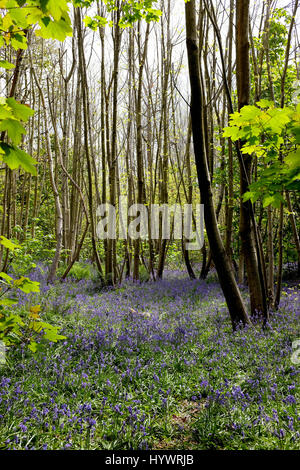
[
  {"x": 229, "y": 286},
  {"x": 246, "y": 228}
]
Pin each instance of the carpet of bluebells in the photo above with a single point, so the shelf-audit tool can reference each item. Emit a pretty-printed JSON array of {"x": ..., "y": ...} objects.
[{"x": 149, "y": 366}]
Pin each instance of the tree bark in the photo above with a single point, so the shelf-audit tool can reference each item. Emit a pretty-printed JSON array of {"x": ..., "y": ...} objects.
[
  {"x": 229, "y": 286},
  {"x": 247, "y": 235}
]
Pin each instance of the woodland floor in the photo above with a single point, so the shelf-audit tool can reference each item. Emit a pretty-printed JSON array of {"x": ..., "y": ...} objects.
[{"x": 152, "y": 366}]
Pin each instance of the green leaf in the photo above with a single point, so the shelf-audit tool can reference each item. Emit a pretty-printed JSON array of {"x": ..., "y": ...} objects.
[
  {"x": 26, "y": 285},
  {"x": 56, "y": 8},
  {"x": 249, "y": 112},
  {"x": 249, "y": 149},
  {"x": 153, "y": 15},
  {"x": 252, "y": 195},
  {"x": 19, "y": 17},
  {"x": 296, "y": 178},
  {"x": 293, "y": 159},
  {"x": 53, "y": 336},
  {"x": 50, "y": 331},
  {"x": 6, "y": 277},
  {"x": 21, "y": 111},
  {"x": 18, "y": 41},
  {"x": 56, "y": 29},
  {"x": 8, "y": 244},
  {"x": 5, "y": 112},
  {"x": 8, "y": 302},
  {"x": 15, "y": 157},
  {"x": 95, "y": 23},
  {"x": 33, "y": 346},
  {"x": 6, "y": 65},
  {"x": 268, "y": 200},
  {"x": 265, "y": 104},
  {"x": 102, "y": 21},
  {"x": 232, "y": 132},
  {"x": 13, "y": 128},
  {"x": 248, "y": 195}
]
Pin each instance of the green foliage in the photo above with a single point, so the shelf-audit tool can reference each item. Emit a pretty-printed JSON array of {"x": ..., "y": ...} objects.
[
  {"x": 144, "y": 274},
  {"x": 51, "y": 17},
  {"x": 278, "y": 34},
  {"x": 30, "y": 250},
  {"x": 81, "y": 271},
  {"x": 8, "y": 243},
  {"x": 15, "y": 158},
  {"x": 6, "y": 65},
  {"x": 175, "y": 254},
  {"x": 96, "y": 22},
  {"x": 132, "y": 11},
  {"x": 277, "y": 41},
  {"x": 26, "y": 328},
  {"x": 52, "y": 20},
  {"x": 272, "y": 135},
  {"x": 12, "y": 114}
]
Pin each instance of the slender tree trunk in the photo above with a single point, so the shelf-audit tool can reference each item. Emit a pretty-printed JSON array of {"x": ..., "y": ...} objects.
[
  {"x": 229, "y": 286},
  {"x": 280, "y": 259},
  {"x": 59, "y": 215},
  {"x": 246, "y": 229},
  {"x": 230, "y": 202},
  {"x": 84, "y": 89},
  {"x": 282, "y": 102},
  {"x": 111, "y": 244},
  {"x": 139, "y": 146},
  {"x": 166, "y": 67}
]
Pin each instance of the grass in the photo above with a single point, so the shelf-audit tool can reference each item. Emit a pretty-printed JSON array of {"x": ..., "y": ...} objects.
[{"x": 153, "y": 366}]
